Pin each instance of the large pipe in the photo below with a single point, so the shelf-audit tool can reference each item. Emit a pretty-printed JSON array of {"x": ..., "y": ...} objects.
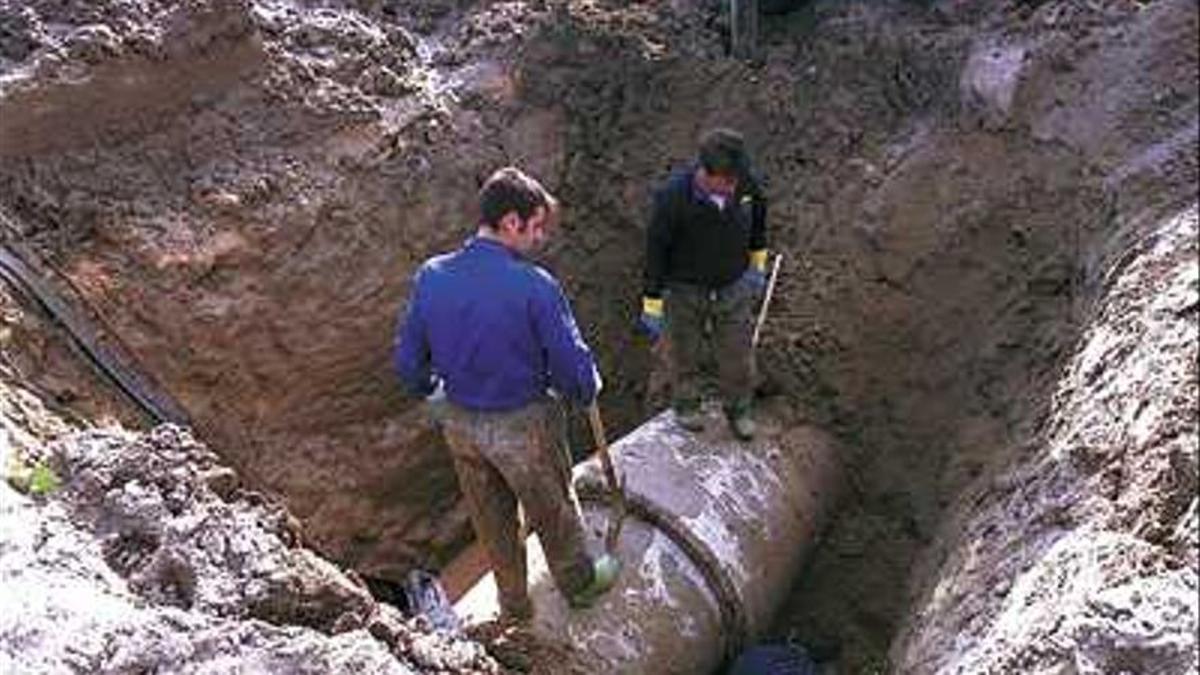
[{"x": 716, "y": 533}]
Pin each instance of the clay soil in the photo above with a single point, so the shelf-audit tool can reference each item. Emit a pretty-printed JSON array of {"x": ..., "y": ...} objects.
[{"x": 976, "y": 202}]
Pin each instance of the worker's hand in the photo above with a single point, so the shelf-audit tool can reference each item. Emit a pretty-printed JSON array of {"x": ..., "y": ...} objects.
[
  {"x": 755, "y": 276},
  {"x": 652, "y": 321},
  {"x": 436, "y": 403},
  {"x": 755, "y": 281}
]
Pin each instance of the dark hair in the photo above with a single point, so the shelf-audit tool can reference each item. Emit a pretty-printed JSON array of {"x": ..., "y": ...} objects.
[
  {"x": 510, "y": 189},
  {"x": 723, "y": 151}
]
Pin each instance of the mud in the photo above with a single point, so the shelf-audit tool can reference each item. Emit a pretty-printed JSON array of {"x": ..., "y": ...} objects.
[
  {"x": 241, "y": 188},
  {"x": 148, "y": 554},
  {"x": 36, "y": 355}
]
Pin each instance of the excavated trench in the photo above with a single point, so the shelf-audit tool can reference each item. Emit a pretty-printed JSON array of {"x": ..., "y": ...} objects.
[{"x": 237, "y": 197}]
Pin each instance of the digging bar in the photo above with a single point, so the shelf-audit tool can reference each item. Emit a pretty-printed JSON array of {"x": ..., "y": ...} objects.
[
  {"x": 762, "y": 312},
  {"x": 616, "y": 489}
]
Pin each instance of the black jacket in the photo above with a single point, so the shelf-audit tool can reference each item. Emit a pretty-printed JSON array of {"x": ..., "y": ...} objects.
[{"x": 691, "y": 241}]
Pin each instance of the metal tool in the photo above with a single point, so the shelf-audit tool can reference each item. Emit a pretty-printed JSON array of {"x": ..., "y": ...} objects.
[
  {"x": 615, "y": 487},
  {"x": 762, "y": 312}
]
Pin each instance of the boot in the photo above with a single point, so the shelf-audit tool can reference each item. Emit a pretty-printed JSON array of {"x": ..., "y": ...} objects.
[
  {"x": 689, "y": 415},
  {"x": 605, "y": 571},
  {"x": 740, "y": 422}
]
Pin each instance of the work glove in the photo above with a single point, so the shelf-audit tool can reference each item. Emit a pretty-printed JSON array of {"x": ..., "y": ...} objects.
[
  {"x": 436, "y": 403},
  {"x": 652, "y": 322},
  {"x": 755, "y": 276}
]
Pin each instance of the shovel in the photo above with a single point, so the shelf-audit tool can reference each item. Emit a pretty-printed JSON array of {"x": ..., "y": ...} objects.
[
  {"x": 615, "y": 488},
  {"x": 766, "y": 303}
]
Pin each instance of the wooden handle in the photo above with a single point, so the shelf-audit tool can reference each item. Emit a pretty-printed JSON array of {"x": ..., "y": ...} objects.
[
  {"x": 762, "y": 312},
  {"x": 610, "y": 472}
]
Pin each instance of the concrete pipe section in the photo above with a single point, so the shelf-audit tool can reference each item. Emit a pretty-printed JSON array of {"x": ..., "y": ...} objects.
[{"x": 714, "y": 533}]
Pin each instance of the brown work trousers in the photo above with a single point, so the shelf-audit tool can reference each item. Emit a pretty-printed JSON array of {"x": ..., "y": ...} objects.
[
  {"x": 503, "y": 457},
  {"x": 725, "y": 315}
]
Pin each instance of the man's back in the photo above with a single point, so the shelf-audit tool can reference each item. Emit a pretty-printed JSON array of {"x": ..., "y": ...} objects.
[
  {"x": 497, "y": 329},
  {"x": 498, "y": 332}
]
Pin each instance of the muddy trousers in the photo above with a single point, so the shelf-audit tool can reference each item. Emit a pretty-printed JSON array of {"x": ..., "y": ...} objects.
[
  {"x": 692, "y": 313},
  {"x": 503, "y": 457}
]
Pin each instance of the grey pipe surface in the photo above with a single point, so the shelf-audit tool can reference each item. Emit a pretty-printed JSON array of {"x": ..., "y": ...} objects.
[{"x": 717, "y": 532}]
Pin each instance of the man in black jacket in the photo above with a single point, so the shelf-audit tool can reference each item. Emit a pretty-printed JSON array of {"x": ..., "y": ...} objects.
[{"x": 706, "y": 252}]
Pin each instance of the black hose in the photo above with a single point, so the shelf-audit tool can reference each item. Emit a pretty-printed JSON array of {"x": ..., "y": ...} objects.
[{"x": 155, "y": 404}]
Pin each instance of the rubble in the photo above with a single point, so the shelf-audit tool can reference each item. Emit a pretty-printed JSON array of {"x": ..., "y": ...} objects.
[{"x": 135, "y": 562}]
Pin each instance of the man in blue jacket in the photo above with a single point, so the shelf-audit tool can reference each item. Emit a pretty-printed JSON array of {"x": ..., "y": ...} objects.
[
  {"x": 706, "y": 252},
  {"x": 495, "y": 333}
]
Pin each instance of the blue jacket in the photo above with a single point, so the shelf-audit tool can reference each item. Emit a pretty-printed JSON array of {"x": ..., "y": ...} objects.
[{"x": 495, "y": 328}]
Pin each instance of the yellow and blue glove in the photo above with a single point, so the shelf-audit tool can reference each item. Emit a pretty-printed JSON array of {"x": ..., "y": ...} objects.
[
  {"x": 755, "y": 276},
  {"x": 652, "y": 322}
]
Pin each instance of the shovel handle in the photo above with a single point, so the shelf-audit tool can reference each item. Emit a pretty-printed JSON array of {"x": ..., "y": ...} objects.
[
  {"x": 766, "y": 303},
  {"x": 616, "y": 490},
  {"x": 610, "y": 472}
]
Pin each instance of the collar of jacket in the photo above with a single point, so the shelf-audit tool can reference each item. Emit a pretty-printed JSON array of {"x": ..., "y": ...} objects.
[{"x": 478, "y": 243}]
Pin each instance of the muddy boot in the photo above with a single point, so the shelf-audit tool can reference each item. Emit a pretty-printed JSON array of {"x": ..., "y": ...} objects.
[
  {"x": 740, "y": 422},
  {"x": 605, "y": 571},
  {"x": 689, "y": 415}
]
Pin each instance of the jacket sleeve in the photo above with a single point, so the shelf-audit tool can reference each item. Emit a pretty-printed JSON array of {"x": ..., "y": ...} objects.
[
  {"x": 410, "y": 346},
  {"x": 658, "y": 245},
  {"x": 573, "y": 371},
  {"x": 758, "y": 214}
]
